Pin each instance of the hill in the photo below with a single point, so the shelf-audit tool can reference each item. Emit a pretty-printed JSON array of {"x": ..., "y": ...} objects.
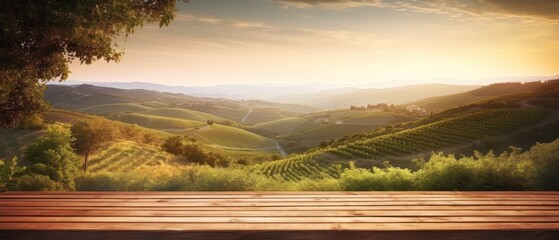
[
  {"x": 215, "y": 134},
  {"x": 106, "y": 109},
  {"x": 478, "y": 95},
  {"x": 184, "y": 114},
  {"x": 230, "y": 137},
  {"x": 395, "y": 95},
  {"x": 156, "y": 122},
  {"x": 105, "y": 101}
]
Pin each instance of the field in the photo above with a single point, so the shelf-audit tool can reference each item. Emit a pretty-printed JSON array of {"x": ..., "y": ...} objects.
[
  {"x": 296, "y": 168},
  {"x": 443, "y": 134},
  {"x": 184, "y": 114},
  {"x": 106, "y": 109},
  {"x": 280, "y": 126},
  {"x": 231, "y": 137},
  {"x": 160, "y": 123},
  {"x": 128, "y": 156}
]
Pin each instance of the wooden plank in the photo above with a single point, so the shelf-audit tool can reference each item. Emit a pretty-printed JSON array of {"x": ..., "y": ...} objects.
[
  {"x": 278, "y": 226},
  {"x": 294, "y": 194},
  {"x": 282, "y": 219},
  {"x": 285, "y": 208},
  {"x": 279, "y": 215},
  {"x": 299, "y": 213},
  {"x": 274, "y": 196},
  {"x": 315, "y": 199},
  {"x": 279, "y": 203},
  {"x": 282, "y": 235}
]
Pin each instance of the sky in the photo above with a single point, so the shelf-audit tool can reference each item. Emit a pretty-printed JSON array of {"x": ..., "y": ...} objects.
[{"x": 340, "y": 42}]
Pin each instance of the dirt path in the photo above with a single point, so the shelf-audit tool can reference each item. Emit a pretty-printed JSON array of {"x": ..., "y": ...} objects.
[
  {"x": 280, "y": 150},
  {"x": 246, "y": 116}
]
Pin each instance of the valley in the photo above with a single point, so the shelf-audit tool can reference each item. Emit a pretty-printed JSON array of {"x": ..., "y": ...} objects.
[{"x": 294, "y": 143}]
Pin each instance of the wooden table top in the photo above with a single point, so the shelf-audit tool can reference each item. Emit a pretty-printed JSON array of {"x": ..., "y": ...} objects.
[{"x": 279, "y": 215}]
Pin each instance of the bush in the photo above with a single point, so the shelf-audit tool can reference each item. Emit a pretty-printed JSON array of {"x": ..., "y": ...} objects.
[
  {"x": 7, "y": 170},
  {"x": 445, "y": 173},
  {"x": 36, "y": 183},
  {"x": 546, "y": 160},
  {"x": 52, "y": 155},
  {"x": 220, "y": 179},
  {"x": 99, "y": 182},
  {"x": 174, "y": 145},
  {"x": 325, "y": 184},
  {"x": 388, "y": 179},
  {"x": 114, "y": 182},
  {"x": 33, "y": 122}
]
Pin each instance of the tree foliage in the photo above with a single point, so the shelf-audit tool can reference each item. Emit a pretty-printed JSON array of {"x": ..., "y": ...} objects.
[
  {"x": 193, "y": 151},
  {"x": 52, "y": 156},
  {"x": 39, "y": 39},
  {"x": 92, "y": 135},
  {"x": 7, "y": 170}
]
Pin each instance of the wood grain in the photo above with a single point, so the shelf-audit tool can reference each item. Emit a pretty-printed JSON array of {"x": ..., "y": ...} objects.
[{"x": 279, "y": 215}]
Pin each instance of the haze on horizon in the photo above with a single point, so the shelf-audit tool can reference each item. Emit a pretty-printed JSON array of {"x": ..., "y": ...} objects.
[{"x": 352, "y": 42}]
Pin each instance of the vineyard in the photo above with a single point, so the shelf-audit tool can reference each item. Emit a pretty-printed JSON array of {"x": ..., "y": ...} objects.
[
  {"x": 298, "y": 167},
  {"x": 442, "y": 134},
  {"x": 128, "y": 156}
]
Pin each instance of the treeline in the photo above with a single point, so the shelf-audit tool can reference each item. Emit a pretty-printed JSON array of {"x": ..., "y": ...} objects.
[{"x": 534, "y": 169}]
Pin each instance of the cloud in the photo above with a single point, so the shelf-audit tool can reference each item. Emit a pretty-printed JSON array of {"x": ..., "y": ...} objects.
[
  {"x": 535, "y": 9},
  {"x": 224, "y": 22},
  {"x": 330, "y": 3},
  {"x": 255, "y": 34}
]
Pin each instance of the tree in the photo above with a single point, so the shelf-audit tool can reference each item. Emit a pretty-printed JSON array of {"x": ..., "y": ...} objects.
[
  {"x": 92, "y": 135},
  {"x": 52, "y": 156},
  {"x": 174, "y": 144},
  {"x": 7, "y": 170},
  {"x": 38, "y": 40}
]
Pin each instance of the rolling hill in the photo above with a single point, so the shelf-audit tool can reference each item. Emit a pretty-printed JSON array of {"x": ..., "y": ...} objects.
[
  {"x": 105, "y": 101},
  {"x": 395, "y": 95},
  {"x": 184, "y": 114},
  {"x": 106, "y": 109},
  {"x": 230, "y": 137},
  {"x": 478, "y": 95}
]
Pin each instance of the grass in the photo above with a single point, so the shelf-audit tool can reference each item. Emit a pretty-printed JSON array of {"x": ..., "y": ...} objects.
[
  {"x": 106, "y": 109},
  {"x": 160, "y": 123},
  {"x": 283, "y": 125},
  {"x": 235, "y": 114},
  {"x": 184, "y": 114},
  {"x": 262, "y": 115},
  {"x": 231, "y": 137}
]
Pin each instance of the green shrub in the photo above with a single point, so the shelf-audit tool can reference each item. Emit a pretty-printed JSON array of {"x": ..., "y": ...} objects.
[
  {"x": 546, "y": 160},
  {"x": 54, "y": 157},
  {"x": 221, "y": 179},
  {"x": 105, "y": 181},
  {"x": 387, "y": 179},
  {"x": 446, "y": 173},
  {"x": 7, "y": 170},
  {"x": 36, "y": 183},
  {"x": 99, "y": 182}
]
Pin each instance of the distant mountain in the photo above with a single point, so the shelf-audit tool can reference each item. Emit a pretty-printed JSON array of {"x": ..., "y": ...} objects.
[
  {"x": 96, "y": 99},
  {"x": 228, "y": 91},
  {"x": 331, "y": 99}
]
